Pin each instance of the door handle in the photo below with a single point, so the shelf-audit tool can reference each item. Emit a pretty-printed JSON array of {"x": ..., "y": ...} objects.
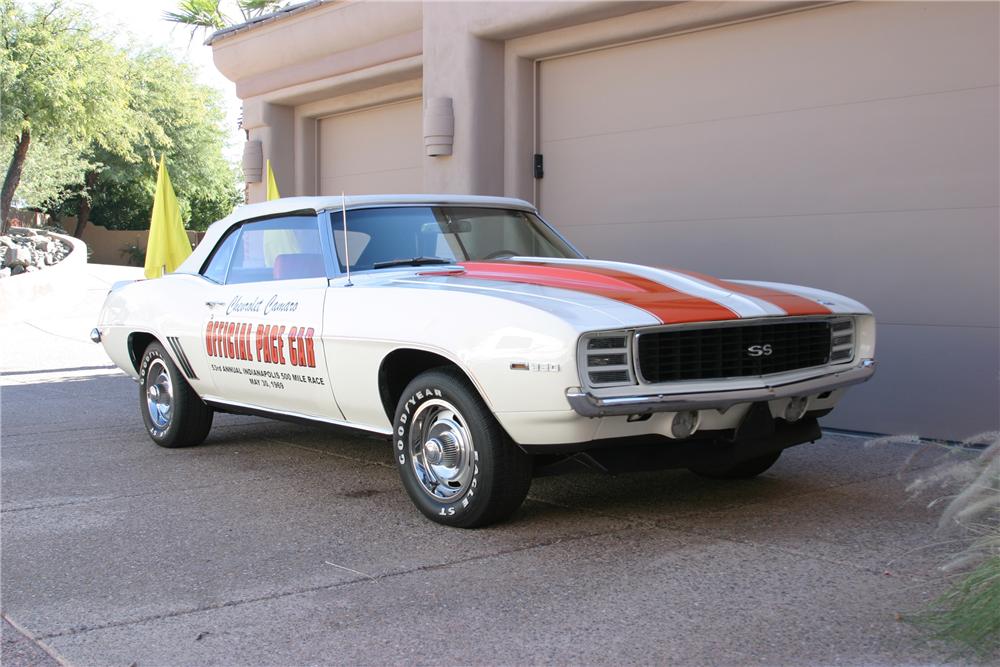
[{"x": 215, "y": 304}]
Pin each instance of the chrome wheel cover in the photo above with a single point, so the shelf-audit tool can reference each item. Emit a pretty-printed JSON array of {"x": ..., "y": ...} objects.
[
  {"x": 441, "y": 450},
  {"x": 159, "y": 395}
]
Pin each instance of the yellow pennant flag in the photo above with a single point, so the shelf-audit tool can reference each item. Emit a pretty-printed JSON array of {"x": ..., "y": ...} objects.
[
  {"x": 168, "y": 244},
  {"x": 277, "y": 241},
  {"x": 272, "y": 187}
]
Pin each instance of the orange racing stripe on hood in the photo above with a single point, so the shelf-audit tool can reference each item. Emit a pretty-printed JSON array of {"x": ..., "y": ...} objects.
[
  {"x": 668, "y": 305},
  {"x": 792, "y": 304}
]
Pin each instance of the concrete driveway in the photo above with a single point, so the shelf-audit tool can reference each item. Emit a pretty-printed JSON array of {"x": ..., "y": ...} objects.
[{"x": 277, "y": 544}]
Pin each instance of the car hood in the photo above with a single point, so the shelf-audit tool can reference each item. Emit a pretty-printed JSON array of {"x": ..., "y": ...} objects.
[{"x": 631, "y": 294}]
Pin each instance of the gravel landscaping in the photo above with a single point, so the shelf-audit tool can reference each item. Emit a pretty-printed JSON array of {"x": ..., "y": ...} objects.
[{"x": 25, "y": 250}]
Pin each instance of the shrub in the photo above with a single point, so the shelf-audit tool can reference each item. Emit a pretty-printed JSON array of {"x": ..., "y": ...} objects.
[
  {"x": 968, "y": 613},
  {"x": 134, "y": 253}
]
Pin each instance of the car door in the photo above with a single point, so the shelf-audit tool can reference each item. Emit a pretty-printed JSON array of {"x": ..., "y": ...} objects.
[{"x": 263, "y": 323}]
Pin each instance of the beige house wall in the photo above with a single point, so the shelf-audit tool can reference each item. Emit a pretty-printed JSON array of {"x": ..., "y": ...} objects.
[{"x": 487, "y": 58}]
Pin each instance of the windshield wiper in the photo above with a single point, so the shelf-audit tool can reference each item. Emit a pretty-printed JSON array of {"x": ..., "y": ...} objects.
[{"x": 411, "y": 261}]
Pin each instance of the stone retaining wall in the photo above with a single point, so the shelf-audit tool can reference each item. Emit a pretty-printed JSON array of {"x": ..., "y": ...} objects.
[{"x": 23, "y": 295}]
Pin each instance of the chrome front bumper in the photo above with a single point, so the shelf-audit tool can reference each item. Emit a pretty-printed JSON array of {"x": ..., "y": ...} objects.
[{"x": 589, "y": 405}]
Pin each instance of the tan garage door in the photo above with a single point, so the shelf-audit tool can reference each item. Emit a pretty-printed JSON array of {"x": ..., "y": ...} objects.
[
  {"x": 852, "y": 147},
  {"x": 372, "y": 151}
]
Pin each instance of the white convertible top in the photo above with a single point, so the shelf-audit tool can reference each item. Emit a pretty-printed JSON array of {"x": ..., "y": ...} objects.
[{"x": 243, "y": 212}]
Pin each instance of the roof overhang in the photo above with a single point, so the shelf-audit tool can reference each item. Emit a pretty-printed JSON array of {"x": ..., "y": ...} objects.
[{"x": 316, "y": 41}]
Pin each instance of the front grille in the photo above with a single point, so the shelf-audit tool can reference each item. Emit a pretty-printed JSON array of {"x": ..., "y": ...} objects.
[{"x": 733, "y": 351}]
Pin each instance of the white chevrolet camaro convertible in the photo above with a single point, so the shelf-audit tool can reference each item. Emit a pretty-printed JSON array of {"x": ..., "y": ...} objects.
[{"x": 483, "y": 344}]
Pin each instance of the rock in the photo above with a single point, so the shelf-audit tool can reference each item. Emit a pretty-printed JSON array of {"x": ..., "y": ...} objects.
[
  {"x": 17, "y": 256},
  {"x": 5, "y": 272},
  {"x": 42, "y": 243},
  {"x": 29, "y": 250}
]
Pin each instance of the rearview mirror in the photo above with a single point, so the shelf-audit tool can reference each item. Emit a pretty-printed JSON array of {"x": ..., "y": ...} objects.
[{"x": 448, "y": 227}]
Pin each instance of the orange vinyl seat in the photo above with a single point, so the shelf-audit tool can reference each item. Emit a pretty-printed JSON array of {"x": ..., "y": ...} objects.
[{"x": 298, "y": 265}]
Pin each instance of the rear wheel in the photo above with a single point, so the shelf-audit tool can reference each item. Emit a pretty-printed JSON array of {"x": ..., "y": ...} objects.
[
  {"x": 742, "y": 470},
  {"x": 456, "y": 463},
  {"x": 173, "y": 413}
]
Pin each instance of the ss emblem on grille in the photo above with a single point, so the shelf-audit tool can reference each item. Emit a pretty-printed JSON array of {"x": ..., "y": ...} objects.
[{"x": 759, "y": 350}]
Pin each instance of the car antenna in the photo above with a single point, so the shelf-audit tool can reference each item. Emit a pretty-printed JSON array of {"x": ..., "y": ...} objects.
[{"x": 347, "y": 253}]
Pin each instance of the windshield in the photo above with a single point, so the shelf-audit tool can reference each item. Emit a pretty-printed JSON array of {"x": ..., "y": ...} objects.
[{"x": 382, "y": 237}]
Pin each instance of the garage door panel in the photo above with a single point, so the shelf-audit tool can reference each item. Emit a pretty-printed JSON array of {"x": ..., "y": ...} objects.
[
  {"x": 398, "y": 182},
  {"x": 936, "y": 151},
  {"x": 939, "y": 382},
  {"x": 836, "y": 55},
  {"x": 372, "y": 151},
  {"x": 925, "y": 267}
]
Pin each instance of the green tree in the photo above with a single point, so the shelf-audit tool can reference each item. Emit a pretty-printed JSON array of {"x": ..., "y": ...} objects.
[
  {"x": 208, "y": 14},
  {"x": 177, "y": 117},
  {"x": 60, "y": 83},
  {"x": 53, "y": 171}
]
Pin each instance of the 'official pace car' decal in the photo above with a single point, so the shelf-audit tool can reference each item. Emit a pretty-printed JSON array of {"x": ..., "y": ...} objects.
[{"x": 263, "y": 343}]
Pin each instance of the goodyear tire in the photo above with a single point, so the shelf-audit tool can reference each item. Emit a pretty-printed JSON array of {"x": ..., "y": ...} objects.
[
  {"x": 457, "y": 464},
  {"x": 173, "y": 413},
  {"x": 742, "y": 470}
]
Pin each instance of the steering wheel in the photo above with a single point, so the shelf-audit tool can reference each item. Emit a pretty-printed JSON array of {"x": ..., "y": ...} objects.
[{"x": 497, "y": 254}]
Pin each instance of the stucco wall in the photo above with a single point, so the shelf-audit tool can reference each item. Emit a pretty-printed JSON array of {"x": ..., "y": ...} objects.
[{"x": 105, "y": 246}]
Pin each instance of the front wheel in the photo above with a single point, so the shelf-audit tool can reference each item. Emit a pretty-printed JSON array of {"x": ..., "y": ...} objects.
[
  {"x": 456, "y": 463},
  {"x": 173, "y": 413},
  {"x": 742, "y": 470}
]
